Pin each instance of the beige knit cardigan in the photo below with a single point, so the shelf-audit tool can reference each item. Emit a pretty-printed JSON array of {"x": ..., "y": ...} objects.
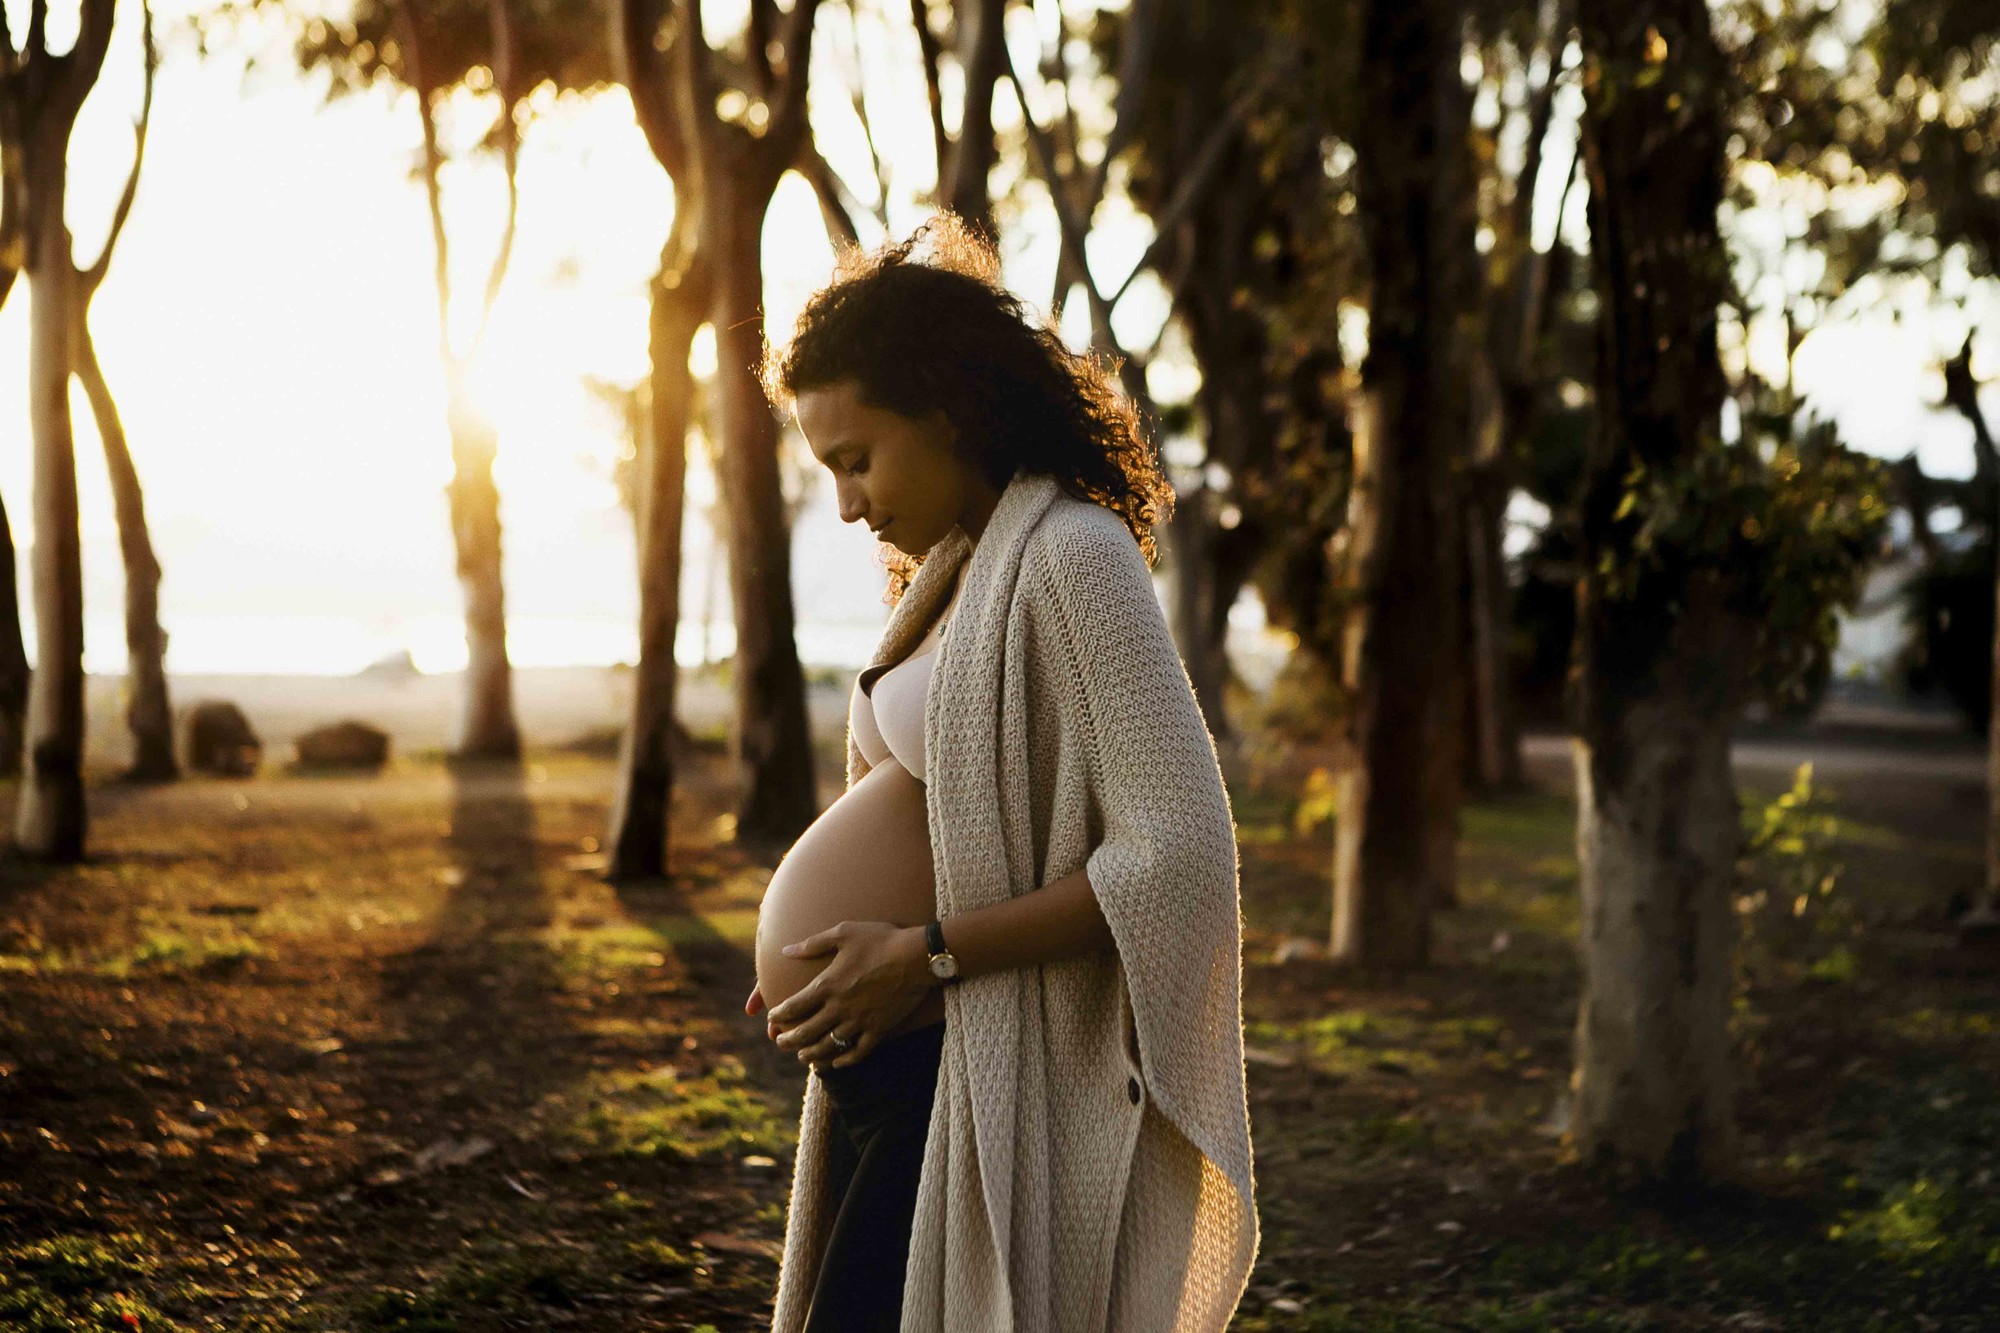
[{"x": 1088, "y": 1165}]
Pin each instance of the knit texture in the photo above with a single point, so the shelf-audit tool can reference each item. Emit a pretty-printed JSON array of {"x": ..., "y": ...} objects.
[{"x": 1062, "y": 731}]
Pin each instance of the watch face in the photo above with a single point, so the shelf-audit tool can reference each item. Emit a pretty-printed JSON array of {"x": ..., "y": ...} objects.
[{"x": 944, "y": 965}]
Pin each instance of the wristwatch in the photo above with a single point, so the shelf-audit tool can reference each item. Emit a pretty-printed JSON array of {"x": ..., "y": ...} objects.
[{"x": 943, "y": 966}]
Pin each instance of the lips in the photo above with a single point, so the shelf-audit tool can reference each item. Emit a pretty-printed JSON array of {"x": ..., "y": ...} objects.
[{"x": 884, "y": 528}]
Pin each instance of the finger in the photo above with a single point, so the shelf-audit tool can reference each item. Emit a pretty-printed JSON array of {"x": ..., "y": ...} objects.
[
  {"x": 812, "y": 946},
  {"x": 755, "y": 1002},
  {"x": 824, "y": 1051},
  {"x": 801, "y": 1005},
  {"x": 803, "y": 1035},
  {"x": 867, "y": 1042}
]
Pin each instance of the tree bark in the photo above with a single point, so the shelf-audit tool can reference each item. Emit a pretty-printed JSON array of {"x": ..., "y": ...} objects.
[
  {"x": 148, "y": 711},
  {"x": 50, "y": 820},
  {"x": 640, "y": 821},
  {"x": 1395, "y": 847},
  {"x": 1962, "y": 393},
  {"x": 1661, "y": 661},
  {"x": 962, "y": 180},
  {"x": 771, "y": 740},
  {"x": 487, "y": 729},
  {"x": 14, "y": 674}
]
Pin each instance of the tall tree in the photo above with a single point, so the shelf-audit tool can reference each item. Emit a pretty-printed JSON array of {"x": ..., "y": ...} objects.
[
  {"x": 148, "y": 710},
  {"x": 678, "y": 303},
  {"x": 735, "y": 169},
  {"x": 1709, "y": 574},
  {"x": 487, "y": 728},
  {"x": 433, "y": 48},
  {"x": 14, "y": 674},
  {"x": 976, "y": 41},
  {"x": 1395, "y": 851},
  {"x": 40, "y": 95},
  {"x": 1507, "y": 372}
]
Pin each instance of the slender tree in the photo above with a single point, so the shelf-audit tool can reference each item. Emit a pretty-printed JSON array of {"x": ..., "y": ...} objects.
[
  {"x": 487, "y": 728},
  {"x": 736, "y": 169},
  {"x": 976, "y": 41},
  {"x": 1395, "y": 850},
  {"x": 678, "y": 303},
  {"x": 148, "y": 710},
  {"x": 40, "y": 95},
  {"x": 508, "y": 48},
  {"x": 14, "y": 673}
]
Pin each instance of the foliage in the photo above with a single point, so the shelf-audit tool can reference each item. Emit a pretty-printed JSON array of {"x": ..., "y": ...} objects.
[
  {"x": 1790, "y": 533},
  {"x": 1788, "y": 873}
]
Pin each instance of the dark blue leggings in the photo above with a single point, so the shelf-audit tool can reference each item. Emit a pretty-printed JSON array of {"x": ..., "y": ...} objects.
[{"x": 881, "y": 1119}]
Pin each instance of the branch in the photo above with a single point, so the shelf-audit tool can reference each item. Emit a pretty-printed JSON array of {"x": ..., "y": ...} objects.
[
  {"x": 1202, "y": 174},
  {"x": 419, "y": 80},
  {"x": 758, "y": 39},
  {"x": 927, "y": 43},
  {"x": 85, "y": 60},
  {"x": 38, "y": 30},
  {"x": 649, "y": 77},
  {"x": 963, "y": 188},
  {"x": 1135, "y": 65},
  {"x": 1961, "y": 393},
  {"x": 788, "y": 117},
  {"x": 697, "y": 72},
  {"x": 507, "y": 79},
  {"x": 1541, "y": 112},
  {"x": 1075, "y": 229},
  {"x": 93, "y": 277},
  {"x": 881, "y": 211},
  {"x": 837, "y": 203}
]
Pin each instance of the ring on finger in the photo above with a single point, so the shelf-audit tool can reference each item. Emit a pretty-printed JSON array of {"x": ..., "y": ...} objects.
[{"x": 840, "y": 1043}]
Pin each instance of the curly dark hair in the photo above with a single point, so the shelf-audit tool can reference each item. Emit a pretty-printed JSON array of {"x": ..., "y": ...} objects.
[{"x": 925, "y": 324}]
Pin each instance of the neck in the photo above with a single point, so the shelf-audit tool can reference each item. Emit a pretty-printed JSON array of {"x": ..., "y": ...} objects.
[{"x": 978, "y": 511}]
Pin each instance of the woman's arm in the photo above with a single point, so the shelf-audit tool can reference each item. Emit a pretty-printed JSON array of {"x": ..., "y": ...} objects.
[{"x": 886, "y": 968}]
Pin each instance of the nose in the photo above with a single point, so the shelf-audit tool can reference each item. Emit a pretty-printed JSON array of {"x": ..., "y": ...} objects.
[{"x": 851, "y": 506}]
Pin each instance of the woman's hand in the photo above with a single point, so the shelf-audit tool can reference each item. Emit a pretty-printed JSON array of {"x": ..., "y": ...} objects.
[
  {"x": 880, "y": 974},
  {"x": 755, "y": 1003}
]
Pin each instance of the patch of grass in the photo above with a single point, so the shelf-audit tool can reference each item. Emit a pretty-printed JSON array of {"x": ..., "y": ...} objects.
[
  {"x": 650, "y": 1259},
  {"x": 633, "y": 1113},
  {"x": 516, "y": 1282},
  {"x": 76, "y": 1282}
]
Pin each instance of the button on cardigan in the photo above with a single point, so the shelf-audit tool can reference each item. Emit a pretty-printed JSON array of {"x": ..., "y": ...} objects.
[{"x": 1088, "y": 1165}]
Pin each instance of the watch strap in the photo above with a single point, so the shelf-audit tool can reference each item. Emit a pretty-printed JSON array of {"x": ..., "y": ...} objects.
[{"x": 934, "y": 937}]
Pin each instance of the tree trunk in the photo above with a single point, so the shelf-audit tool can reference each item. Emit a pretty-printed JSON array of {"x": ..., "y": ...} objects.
[
  {"x": 1190, "y": 535},
  {"x": 147, "y": 709},
  {"x": 50, "y": 819},
  {"x": 979, "y": 30},
  {"x": 487, "y": 728},
  {"x": 640, "y": 815},
  {"x": 1661, "y": 660},
  {"x": 13, "y": 657},
  {"x": 1396, "y": 828},
  {"x": 1494, "y": 757},
  {"x": 780, "y": 796},
  {"x": 1657, "y": 840}
]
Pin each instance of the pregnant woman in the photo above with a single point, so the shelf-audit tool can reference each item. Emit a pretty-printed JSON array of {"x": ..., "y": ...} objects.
[{"x": 1009, "y": 953}]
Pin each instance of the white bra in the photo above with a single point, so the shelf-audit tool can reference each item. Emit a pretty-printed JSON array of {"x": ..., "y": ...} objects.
[{"x": 888, "y": 718}]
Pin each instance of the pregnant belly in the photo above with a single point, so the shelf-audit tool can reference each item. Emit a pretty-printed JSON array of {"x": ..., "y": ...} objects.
[{"x": 866, "y": 858}]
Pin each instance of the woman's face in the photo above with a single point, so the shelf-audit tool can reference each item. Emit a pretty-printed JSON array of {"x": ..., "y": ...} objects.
[{"x": 895, "y": 473}]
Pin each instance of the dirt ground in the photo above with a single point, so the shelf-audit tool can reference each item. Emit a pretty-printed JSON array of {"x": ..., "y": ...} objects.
[{"x": 387, "y": 1052}]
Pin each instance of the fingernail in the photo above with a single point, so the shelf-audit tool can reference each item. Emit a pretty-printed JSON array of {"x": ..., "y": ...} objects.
[{"x": 788, "y": 948}]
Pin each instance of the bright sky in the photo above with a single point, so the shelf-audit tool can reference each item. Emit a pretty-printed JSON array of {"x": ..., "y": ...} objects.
[{"x": 268, "y": 328}]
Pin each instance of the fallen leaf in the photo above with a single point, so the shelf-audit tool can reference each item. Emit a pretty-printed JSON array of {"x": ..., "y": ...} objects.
[{"x": 729, "y": 1244}]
